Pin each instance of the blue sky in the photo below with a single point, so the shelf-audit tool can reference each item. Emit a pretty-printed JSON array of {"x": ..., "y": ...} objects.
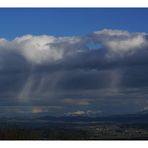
[{"x": 67, "y": 22}]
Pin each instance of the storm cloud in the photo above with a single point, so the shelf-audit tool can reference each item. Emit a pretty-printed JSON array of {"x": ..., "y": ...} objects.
[{"x": 103, "y": 67}]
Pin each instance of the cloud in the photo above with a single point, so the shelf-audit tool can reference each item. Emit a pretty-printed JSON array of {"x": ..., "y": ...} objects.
[
  {"x": 77, "y": 101},
  {"x": 76, "y": 113},
  {"x": 39, "y": 109},
  {"x": 55, "y": 53},
  {"x": 44, "y": 49},
  {"x": 40, "y": 49},
  {"x": 84, "y": 113},
  {"x": 120, "y": 43},
  {"x": 49, "y": 70},
  {"x": 37, "y": 49}
]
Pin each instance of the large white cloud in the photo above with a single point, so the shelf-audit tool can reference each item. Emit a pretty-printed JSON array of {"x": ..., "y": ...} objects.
[
  {"x": 120, "y": 43},
  {"x": 46, "y": 49},
  {"x": 41, "y": 49}
]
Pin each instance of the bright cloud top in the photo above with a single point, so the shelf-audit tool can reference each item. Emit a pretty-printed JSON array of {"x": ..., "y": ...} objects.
[
  {"x": 121, "y": 42},
  {"x": 44, "y": 49}
]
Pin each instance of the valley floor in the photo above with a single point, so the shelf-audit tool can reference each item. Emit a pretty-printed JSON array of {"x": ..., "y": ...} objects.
[{"x": 72, "y": 131}]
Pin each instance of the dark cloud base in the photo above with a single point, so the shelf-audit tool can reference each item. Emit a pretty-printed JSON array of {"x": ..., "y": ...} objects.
[{"x": 104, "y": 72}]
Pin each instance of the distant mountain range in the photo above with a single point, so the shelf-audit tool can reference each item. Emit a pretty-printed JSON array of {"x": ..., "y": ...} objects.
[
  {"x": 140, "y": 117},
  {"x": 137, "y": 117}
]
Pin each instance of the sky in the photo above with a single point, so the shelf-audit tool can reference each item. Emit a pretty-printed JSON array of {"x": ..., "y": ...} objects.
[
  {"x": 73, "y": 62},
  {"x": 69, "y": 22}
]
